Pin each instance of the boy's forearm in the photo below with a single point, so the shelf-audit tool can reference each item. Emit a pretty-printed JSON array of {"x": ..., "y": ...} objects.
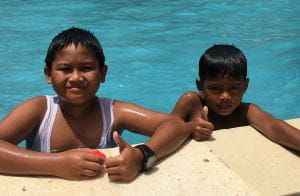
[
  {"x": 16, "y": 160},
  {"x": 168, "y": 137},
  {"x": 286, "y": 134}
]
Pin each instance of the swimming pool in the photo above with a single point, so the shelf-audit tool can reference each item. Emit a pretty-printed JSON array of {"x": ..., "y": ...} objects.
[{"x": 152, "y": 48}]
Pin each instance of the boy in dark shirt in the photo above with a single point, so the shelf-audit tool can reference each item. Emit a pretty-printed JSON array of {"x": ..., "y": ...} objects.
[{"x": 218, "y": 104}]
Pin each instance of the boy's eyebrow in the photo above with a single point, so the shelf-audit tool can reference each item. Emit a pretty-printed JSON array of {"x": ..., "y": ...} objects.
[
  {"x": 220, "y": 82},
  {"x": 214, "y": 84},
  {"x": 62, "y": 64},
  {"x": 81, "y": 63},
  {"x": 214, "y": 81},
  {"x": 87, "y": 62},
  {"x": 238, "y": 82}
]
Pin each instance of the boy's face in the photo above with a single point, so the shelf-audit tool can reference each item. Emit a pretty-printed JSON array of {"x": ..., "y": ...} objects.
[
  {"x": 75, "y": 74},
  {"x": 223, "y": 94}
]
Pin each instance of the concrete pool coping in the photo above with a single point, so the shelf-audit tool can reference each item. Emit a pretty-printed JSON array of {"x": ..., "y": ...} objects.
[{"x": 237, "y": 161}]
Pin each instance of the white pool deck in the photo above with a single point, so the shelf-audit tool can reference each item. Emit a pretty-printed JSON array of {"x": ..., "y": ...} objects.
[{"x": 238, "y": 161}]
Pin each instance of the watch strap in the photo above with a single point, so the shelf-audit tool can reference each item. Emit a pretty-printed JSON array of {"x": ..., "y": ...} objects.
[{"x": 149, "y": 157}]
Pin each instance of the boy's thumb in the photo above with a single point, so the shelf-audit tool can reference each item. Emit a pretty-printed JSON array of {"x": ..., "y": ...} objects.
[
  {"x": 205, "y": 113},
  {"x": 119, "y": 141}
]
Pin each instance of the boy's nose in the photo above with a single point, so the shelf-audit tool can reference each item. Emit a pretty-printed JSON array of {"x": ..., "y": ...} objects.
[
  {"x": 75, "y": 75},
  {"x": 225, "y": 96}
]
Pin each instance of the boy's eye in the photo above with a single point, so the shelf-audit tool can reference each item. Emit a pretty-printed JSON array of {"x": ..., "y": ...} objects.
[
  {"x": 236, "y": 88},
  {"x": 65, "y": 69},
  {"x": 86, "y": 68},
  {"x": 215, "y": 88}
]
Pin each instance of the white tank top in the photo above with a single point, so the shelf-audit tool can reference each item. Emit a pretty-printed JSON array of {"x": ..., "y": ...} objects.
[{"x": 41, "y": 141}]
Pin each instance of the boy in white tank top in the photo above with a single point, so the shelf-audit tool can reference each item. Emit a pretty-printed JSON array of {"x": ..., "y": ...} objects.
[{"x": 76, "y": 117}]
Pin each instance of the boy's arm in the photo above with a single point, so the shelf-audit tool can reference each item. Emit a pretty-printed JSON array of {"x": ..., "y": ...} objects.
[
  {"x": 190, "y": 109},
  {"x": 188, "y": 106},
  {"x": 276, "y": 130},
  {"x": 167, "y": 134},
  {"x": 14, "y": 128},
  {"x": 76, "y": 164}
]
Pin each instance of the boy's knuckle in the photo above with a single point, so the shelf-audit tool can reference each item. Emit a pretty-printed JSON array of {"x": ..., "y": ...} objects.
[{"x": 121, "y": 159}]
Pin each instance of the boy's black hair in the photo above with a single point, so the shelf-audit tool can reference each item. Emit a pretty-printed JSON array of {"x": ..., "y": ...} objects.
[
  {"x": 77, "y": 37},
  {"x": 222, "y": 60}
]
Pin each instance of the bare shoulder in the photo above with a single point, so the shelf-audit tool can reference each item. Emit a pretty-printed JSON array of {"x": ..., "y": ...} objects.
[
  {"x": 30, "y": 110},
  {"x": 252, "y": 106},
  {"x": 37, "y": 100},
  {"x": 189, "y": 100},
  {"x": 35, "y": 105},
  {"x": 254, "y": 109},
  {"x": 120, "y": 106},
  {"x": 257, "y": 115},
  {"x": 191, "y": 97},
  {"x": 188, "y": 105},
  {"x": 23, "y": 119}
]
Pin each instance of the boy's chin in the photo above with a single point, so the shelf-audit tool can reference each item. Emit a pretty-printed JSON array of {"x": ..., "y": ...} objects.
[{"x": 224, "y": 113}]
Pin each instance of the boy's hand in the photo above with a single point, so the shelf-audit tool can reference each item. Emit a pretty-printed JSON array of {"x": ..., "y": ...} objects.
[
  {"x": 125, "y": 166},
  {"x": 200, "y": 127},
  {"x": 78, "y": 164},
  {"x": 98, "y": 153}
]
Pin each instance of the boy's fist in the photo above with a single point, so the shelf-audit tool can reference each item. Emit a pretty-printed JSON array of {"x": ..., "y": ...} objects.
[{"x": 200, "y": 127}]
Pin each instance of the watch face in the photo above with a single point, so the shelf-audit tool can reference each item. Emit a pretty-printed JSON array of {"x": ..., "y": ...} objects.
[{"x": 150, "y": 162}]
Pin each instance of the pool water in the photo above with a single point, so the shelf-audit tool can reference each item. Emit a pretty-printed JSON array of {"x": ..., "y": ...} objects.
[{"x": 153, "y": 47}]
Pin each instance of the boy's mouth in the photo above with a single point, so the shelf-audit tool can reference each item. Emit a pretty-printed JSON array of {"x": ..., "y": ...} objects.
[
  {"x": 75, "y": 89},
  {"x": 225, "y": 108}
]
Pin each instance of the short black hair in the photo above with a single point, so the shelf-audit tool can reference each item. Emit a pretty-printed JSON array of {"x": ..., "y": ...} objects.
[
  {"x": 222, "y": 60},
  {"x": 77, "y": 37}
]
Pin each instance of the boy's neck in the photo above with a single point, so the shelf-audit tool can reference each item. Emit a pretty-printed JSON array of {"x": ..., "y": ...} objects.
[
  {"x": 235, "y": 119},
  {"x": 78, "y": 111},
  {"x": 214, "y": 116}
]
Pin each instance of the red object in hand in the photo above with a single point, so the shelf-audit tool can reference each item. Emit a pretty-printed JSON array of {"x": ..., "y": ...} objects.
[{"x": 98, "y": 153}]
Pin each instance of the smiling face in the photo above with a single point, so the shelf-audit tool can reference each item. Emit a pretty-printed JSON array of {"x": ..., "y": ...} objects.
[
  {"x": 75, "y": 74},
  {"x": 223, "y": 94}
]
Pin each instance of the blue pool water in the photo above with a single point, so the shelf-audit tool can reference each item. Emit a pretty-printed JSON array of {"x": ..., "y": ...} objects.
[{"x": 152, "y": 48}]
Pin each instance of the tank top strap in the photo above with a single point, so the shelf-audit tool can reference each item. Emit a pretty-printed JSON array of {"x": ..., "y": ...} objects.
[
  {"x": 106, "y": 108},
  {"x": 42, "y": 138}
]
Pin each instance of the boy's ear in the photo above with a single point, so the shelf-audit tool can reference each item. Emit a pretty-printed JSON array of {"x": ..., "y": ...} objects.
[
  {"x": 199, "y": 85},
  {"x": 47, "y": 73},
  {"x": 103, "y": 70}
]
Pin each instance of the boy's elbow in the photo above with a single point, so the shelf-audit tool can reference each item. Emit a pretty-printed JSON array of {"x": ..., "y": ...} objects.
[
  {"x": 274, "y": 138},
  {"x": 181, "y": 126}
]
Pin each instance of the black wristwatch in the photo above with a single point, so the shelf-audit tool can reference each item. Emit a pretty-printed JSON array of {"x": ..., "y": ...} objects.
[{"x": 149, "y": 157}]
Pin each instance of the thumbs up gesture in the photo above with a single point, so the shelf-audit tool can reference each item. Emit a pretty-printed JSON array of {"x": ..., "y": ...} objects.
[
  {"x": 127, "y": 164},
  {"x": 205, "y": 113},
  {"x": 200, "y": 127}
]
